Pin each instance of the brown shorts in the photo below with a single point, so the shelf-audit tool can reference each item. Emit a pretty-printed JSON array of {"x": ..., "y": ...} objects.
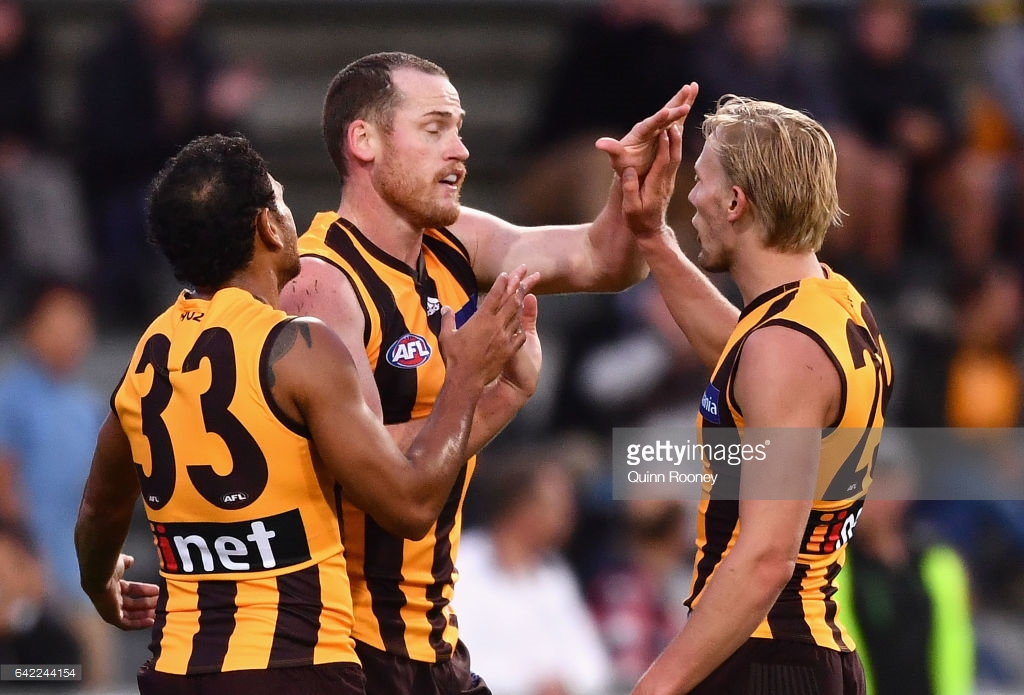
[
  {"x": 321, "y": 679},
  {"x": 389, "y": 674},
  {"x": 770, "y": 667}
]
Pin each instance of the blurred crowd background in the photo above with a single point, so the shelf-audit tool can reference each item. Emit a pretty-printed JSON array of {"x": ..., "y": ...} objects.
[{"x": 564, "y": 590}]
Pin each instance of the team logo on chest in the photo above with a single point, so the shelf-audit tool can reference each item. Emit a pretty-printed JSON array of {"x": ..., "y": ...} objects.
[{"x": 408, "y": 352}]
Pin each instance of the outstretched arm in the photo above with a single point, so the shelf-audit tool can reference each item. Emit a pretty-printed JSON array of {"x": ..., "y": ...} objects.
[{"x": 600, "y": 256}]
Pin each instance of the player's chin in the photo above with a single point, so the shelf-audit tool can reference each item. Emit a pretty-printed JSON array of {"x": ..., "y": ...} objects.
[{"x": 447, "y": 214}]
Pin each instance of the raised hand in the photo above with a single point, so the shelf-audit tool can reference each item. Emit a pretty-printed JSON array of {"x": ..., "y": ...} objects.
[
  {"x": 637, "y": 149},
  {"x": 480, "y": 349},
  {"x": 645, "y": 202},
  {"x": 522, "y": 371}
]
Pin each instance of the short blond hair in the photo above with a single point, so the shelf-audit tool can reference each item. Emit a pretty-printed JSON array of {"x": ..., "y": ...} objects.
[{"x": 785, "y": 162}]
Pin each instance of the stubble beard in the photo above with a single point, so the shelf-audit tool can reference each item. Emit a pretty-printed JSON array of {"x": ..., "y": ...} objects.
[
  {"x": 415, "y": 201},
  {"x": 712, "y": 264}
]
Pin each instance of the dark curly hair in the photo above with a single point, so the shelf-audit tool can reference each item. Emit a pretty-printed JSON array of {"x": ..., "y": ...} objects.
[
  {"x": 363, "y": 90},
  {"x": 201, "y": 208}
]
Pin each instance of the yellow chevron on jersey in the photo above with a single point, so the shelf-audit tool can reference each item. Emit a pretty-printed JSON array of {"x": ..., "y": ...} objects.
[
  {"x": 402, "y": 589},
  {"x": 245, "y": 526},
  {"x": 832, "y": 313}
]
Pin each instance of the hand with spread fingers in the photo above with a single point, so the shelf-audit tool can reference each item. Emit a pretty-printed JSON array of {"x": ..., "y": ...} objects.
[
  {"x": 490, "y": 337},
  {"x": 639, "y": 147}
]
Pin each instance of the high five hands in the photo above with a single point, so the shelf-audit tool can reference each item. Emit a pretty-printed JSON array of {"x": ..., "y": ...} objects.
[
  {"x": 639, "y": 147},
  {"x": 647, "y": 159}
]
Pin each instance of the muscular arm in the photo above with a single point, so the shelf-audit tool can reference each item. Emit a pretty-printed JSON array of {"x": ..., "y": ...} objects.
[
  {"x": 322, "y": 291},
  {"x": 314, "y": 380},
  {"x": 600, "y": 256},
  {"x": 104, "y": 518},
  {"x": 788, "y": 390}
]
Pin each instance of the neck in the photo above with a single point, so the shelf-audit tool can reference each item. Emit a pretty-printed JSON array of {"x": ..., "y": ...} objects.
[
  {"x": 380, "y": 222},
  {"x": 759, "y": 270},
  {"x": 262, "y": 286}
]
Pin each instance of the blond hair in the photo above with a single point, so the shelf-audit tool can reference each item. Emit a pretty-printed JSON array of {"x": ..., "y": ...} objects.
[{"x": 785, "y": 162}]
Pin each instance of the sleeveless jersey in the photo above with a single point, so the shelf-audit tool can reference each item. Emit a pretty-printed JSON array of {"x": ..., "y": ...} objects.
[
  {"x": 836, "y": 317},
  {"x": 402, "y": 589},
  {"x": 246, "y": 528}
]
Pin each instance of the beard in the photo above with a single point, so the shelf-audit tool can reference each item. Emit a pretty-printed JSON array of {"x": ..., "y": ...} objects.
[
  {"x": 415, "y": 199},
  {"x": 711, "y": 264},
  {"x": 718, "y": 262},
  {"x": 292, "y": 269}
]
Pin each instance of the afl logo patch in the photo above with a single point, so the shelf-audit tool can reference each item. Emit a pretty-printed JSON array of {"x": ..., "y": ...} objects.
[{"x": 408, "y": 352}]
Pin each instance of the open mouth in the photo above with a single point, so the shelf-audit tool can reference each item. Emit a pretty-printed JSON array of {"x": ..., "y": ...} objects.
[{"x": 454, "y": 179}]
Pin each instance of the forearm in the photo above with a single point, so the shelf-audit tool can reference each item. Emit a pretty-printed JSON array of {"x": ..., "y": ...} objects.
[
  {"x": 704, "y": 314},
  {"x": 733, "y": 604},
  {"x": 615, "y": 258},
  {"x": 499, "y": 403},
  {"x": 106, "y": 510},
  {"x": 100, "y": 534},
  {"x": 440, "y": 448}
]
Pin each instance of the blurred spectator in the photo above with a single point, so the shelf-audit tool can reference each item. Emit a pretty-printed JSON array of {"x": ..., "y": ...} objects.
[
  {"x": 969, "y": 381},
  {"x": 42, "y": 217},
  {"x": 48, "y": 424},
  {"x": 760, "y": 57},
  {"x": 519, "y": 604},
  {"x": 904, "y": 597},
  {"x": 985, "y": 385},
  {"x": 30, "y": 633},
  {"x": 636, "y": 597},
  {"x": 894, "y": 157},
  {"x": 640, "y": 51},
  {"x": 991, "y": 203},
  {"x": 152, "y": 85},
  {"x": 964, "y": 372}
]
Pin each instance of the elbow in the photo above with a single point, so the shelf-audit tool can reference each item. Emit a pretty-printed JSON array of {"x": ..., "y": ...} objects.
[
  {"x": 411, "y": 521},
  {"x": 768, "y": 565},
  {"x": 778, "y": 574},
  {"x": 415, "y": 526},
  {"x": 774, "y": 570},
  {"x": 411, "y": 530}
]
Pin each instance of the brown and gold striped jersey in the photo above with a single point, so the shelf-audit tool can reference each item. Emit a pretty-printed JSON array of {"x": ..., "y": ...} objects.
[
  {"x": 246, "y": 527},
  {"x": 832, "y": 313},
  {"x": 401, "y": 589}
]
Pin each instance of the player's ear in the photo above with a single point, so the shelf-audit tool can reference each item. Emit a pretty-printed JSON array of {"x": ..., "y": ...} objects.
[
  {"x": 266, "y": 233},
  {"x": 362, "y": 140},
  {"x": 738, "y": 204}
]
